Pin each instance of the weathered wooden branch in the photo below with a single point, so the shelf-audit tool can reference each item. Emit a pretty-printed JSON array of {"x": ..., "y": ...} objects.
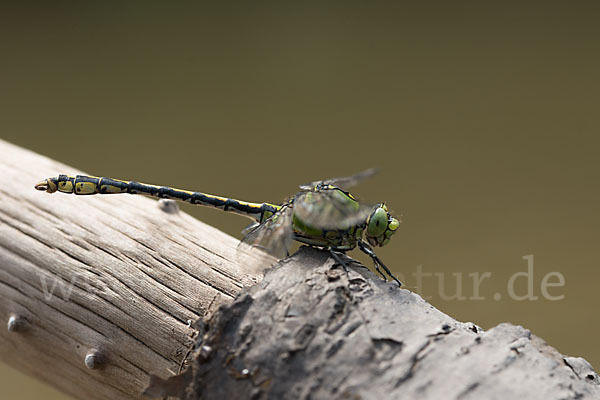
[
  {"x": 309, "y": 329},
  {"x": 99, "y": 291}
]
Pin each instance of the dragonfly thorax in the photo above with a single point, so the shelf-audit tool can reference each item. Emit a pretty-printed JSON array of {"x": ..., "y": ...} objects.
[
  {"x": 328, "y": 216},
  {"x": 339, "y": 239}
]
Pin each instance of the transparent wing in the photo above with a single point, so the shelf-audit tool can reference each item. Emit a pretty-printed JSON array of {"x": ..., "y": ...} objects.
[
  {"x": 343, "y": 182},
  {"x": 329, "y": 209},
  {"x": 274, "y": 236},
  {"x": 250, "y": 228}
]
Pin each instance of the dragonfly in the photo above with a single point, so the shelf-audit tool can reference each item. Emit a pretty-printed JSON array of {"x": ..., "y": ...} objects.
[{"x": 322, "y": 214}]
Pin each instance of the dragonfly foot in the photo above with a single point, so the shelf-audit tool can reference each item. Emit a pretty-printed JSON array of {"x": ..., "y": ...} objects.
[
  {"x": 338, "y": 259},
  {"x": 365, "y": 248},
  {"x": 380, "y": 273}
]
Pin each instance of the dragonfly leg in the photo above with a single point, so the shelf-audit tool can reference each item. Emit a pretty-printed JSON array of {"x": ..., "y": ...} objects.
[
  {"x": 338, "y": 259},
  {"x": 371, "y": 254},
  {"x": 365, "y": 248}
]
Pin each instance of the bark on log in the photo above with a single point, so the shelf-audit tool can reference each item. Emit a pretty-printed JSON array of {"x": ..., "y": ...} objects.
[{"x": 309, "y": 329}]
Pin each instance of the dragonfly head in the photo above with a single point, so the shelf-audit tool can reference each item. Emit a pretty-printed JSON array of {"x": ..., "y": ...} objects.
[{"x": 381, "y": 226}]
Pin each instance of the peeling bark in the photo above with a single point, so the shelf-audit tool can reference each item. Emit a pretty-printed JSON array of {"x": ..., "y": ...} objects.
[{"x": 310, "y": 330}]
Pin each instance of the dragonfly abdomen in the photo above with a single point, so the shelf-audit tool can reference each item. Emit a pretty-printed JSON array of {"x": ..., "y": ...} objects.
[{"x": 90, "y": 185}]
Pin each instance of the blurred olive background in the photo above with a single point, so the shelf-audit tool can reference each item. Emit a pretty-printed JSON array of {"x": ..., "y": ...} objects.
[{"x": 483, "y": 120}]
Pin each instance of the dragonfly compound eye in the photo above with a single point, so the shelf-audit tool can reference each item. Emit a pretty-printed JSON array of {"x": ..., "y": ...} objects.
[
  {"x": 377, "y": 223},
  {"x": 381, "y": 226}
]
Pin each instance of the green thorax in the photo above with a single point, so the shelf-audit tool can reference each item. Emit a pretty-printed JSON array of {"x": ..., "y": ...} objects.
[{"x": 323, "y": 232}]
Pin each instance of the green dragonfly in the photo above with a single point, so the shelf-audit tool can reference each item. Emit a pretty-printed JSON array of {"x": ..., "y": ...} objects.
[{"x": 323, "y": 214}]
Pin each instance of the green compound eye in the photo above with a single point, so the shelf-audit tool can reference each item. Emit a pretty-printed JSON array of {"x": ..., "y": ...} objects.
[{"x": 377, "y": 223}]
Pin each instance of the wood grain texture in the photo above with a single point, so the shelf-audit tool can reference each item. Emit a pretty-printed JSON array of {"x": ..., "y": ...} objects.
[
  {"x": 114, "y": 276},
  {"x": 309, "y": 330},
  {"x": 134, "y": 274}
]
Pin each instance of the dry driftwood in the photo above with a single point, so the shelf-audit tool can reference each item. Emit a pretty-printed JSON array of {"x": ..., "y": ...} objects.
[
  {"x": 309, "y": 329},
  {"x": 98, "y": 291}
]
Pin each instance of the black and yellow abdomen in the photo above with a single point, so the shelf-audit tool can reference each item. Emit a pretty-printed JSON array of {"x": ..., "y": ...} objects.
[{"x": 90, "y": 185}]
